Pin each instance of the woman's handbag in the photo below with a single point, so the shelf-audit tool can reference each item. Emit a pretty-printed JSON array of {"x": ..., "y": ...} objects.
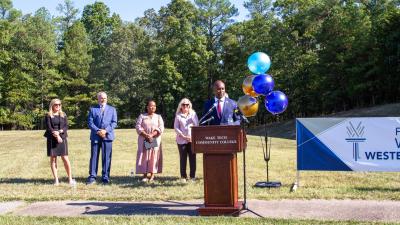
[{"x": 150, "y": 145}]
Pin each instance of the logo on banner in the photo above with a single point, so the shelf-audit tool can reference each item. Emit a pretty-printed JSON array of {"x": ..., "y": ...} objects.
[{"x": 355, "y": 134}]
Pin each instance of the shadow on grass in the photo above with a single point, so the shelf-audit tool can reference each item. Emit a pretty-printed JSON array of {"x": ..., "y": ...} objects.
[
  {"x": 124, "y": 181},
  {"x": 141, "y": 208},
  {"x": 384, "y": 189},
  {"x": 25, "y": 181},
  {"x": 159, "y": 181}
]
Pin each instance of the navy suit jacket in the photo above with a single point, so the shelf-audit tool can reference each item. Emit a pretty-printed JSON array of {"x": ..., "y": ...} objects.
[
  {"x": 229, "y": 115},
  {"x": 106, "y": 120}
]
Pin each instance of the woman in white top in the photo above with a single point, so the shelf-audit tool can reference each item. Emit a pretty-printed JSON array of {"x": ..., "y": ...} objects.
[{"x": 185, "y": 118}]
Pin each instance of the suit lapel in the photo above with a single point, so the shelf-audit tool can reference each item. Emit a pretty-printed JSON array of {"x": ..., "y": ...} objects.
[{"x": 226, "y": 107}]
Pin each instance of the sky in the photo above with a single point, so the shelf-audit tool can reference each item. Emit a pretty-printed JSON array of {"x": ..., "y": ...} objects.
[{"x": 129, "y": 10}]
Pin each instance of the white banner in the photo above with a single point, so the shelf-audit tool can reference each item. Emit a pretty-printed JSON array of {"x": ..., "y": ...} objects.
[{"x": 358, "y": 144}]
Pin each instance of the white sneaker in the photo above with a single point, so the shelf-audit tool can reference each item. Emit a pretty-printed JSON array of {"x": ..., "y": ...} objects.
[
  {"x": 72, "y": 183},
  {"x": 183, "y": 180}
]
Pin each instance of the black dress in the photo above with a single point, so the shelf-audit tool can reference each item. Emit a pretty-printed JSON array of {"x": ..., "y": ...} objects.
[{"x": 53, "y": 147}]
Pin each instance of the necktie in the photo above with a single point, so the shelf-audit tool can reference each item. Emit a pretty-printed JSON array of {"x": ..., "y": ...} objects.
[
  {"x": 102, "y": 109},
  {"x": 219, "y": 110}
]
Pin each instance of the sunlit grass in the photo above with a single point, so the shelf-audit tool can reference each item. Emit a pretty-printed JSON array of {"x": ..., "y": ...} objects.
[
  {"x": 25, "y": 173},
  {"x": 165, "y": 220}
]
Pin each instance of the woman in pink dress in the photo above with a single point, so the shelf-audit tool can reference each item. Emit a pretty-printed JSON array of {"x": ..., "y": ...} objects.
[{"x": 149, "y": 127}]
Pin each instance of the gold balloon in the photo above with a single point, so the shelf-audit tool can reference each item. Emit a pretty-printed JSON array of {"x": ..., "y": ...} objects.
[
  {"x": 248, "y": 105},
  {"x": 247, "y": 86}
]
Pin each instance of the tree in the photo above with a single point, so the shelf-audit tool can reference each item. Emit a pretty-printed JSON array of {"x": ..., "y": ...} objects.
[
  {"x": 68, "y": 17},
  {"x": 41, "y": 40},
  {"x": 98, "y": 23},
  {"x": 29, "y": 76},
  {"x": 76, "y": 90},
  {"x": 128, "y": 71},
  {"x": 5, "y": 6},
  {"x": 69, "y": 13},
  {"x": 99, "y": 26},
  {"x": 178, "y": 56},
  {"x": 215, "y": 17},
  {"x": 387, "y": 33},
  {"x": 259, "y": 8},
  {"x": 7, "y": 11},
  {"x": 181, "y": 57}
]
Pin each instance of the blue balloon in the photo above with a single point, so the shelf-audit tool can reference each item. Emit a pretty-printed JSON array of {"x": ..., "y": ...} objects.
[
  {"x": 258, "y": 63},
  {"x": 276, "y": 102},
  {"x": 263, "y": 84}
]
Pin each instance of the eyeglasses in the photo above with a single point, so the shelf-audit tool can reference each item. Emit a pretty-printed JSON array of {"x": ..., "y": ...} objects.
[{"x": 185, "y": 105}]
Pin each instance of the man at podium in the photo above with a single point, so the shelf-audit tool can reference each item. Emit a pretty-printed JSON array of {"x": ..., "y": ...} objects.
[{"x": 220, "y": 110}]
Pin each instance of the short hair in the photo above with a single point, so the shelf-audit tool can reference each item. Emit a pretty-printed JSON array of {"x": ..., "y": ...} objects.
[
  {"x": 218, "y": 81},
  {"x": 101, "y": 93}
]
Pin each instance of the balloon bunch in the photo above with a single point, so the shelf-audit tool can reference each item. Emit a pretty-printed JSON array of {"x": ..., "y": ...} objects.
[{"x": 261, "y": 83}]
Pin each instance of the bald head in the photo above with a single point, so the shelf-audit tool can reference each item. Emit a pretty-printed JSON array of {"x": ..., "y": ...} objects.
[{"x": 219, "y": 89}]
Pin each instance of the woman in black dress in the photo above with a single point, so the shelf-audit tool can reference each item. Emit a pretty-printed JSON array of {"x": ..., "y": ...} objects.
[{"x": 56, "y": 134}]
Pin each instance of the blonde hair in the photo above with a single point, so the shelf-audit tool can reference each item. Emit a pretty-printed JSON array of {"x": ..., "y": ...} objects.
[
  {"x": 54, "y": 101},
  {"x": 186, "y": 101}
]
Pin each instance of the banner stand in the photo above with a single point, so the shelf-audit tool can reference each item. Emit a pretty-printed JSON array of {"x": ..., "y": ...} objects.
[{"x": 296, "y": 183}]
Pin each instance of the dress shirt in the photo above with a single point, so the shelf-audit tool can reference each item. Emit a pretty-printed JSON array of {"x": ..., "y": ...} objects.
[{"x": 221, "y": 102}]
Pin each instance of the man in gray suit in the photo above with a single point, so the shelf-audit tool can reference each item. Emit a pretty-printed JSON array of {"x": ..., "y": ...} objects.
[{"x": 102, "y": 121}]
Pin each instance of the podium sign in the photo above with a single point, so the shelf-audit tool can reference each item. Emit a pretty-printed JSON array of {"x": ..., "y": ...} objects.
[
  {"x": 219, "y": 145},
  {"x": 217, "y": 139}
]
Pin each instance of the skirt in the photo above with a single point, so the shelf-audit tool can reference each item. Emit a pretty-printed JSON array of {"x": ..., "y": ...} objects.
[{"x": 57, "y": 149}]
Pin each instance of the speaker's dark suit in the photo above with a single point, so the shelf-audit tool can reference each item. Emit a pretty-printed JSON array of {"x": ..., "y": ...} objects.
[{"x": 229, "y": 112}]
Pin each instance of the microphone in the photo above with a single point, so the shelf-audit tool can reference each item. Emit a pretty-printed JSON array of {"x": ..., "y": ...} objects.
[
  {"x": 242, "y": 117},
  {"x": 207, "y": 120},
  {"x": 208, "y": 112}
]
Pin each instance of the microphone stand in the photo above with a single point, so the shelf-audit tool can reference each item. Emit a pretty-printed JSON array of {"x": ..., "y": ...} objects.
[
  {"x": 207, "y": 114},
  {"x": 245, "y": 208}
]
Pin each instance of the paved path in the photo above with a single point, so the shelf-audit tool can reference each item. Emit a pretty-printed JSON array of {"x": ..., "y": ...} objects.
[{"x": 359, "y": 210}]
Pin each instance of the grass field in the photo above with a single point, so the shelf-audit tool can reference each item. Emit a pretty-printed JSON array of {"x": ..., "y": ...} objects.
[
  {"x": 25, "y": 175},
  {"x": 165, "y": 220}
]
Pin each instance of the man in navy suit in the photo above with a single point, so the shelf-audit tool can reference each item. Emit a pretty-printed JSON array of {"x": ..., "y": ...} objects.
[
  {"x": 220, "y": 110},
  {"x": 102, "y": 121}
]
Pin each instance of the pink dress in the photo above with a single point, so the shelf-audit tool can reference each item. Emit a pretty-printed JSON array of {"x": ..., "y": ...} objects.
[{"x": 149, "y": 161}]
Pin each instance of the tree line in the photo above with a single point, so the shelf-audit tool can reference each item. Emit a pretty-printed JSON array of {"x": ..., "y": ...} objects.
[{"x": 327, "y": 56}]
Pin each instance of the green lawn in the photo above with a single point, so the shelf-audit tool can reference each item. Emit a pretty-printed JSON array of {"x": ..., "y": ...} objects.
[
  {"x": 165, "y": 220},
  {"x": 25, "y": 173}
]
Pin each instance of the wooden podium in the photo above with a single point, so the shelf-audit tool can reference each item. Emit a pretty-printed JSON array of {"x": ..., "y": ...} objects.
[{"x": 219, "y": 145}]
